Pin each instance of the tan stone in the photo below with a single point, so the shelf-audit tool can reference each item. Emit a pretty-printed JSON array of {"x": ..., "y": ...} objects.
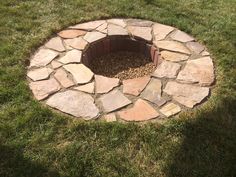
[
  {"x": 42, "y": 89},
  {"x": 105, "y": 84},
  {"x": 77, "y": 43},
  {"x": 55, "y": 44},
  {"x": 43, "y": 57},
  {"x": 199, "y": 71},
  {"x": 70, "y": 33},
  {"x": 138, "y": 22},
  {"x": 135, "y": 86},
  {"x": 141, "y": 111},
  {"x": 102, "y": 28},
  {"x": 75, "y": 103},
  {"x": 205, "y": 53},
  {"x": 39, "y": 74},
  {"x": 170, "y": 109},
  {"x": 167, "y": 69},
  {"x": 63, "y": 78},
  {"x": 55, "y": 64},
  {"x": 161, "y": 31},
  {"x": 119, "y": 22},
  {"x": 181, "y": 36},
  {"x": 73, "y": 56},
  {"x": 81, "y": 73},
  {"x": 88, "y": 88},
  {"x": 172, "y": 46},
  {"x": 195, "y": 47},
  {"x": 116, "y": 30},
  {"x": 173, "y": 56},
  {"x": 141, "y": 32},
  {"x": 88, "y": 25},
  {"x": 187, "y": 95},
  {"x": 94, "y": 36},
  {"x": 114, "y": 100},
  {"x": 110, "y": 117}
]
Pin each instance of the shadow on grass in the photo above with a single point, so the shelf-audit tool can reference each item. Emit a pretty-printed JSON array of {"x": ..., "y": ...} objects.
[{"x": 12, "y": 163}]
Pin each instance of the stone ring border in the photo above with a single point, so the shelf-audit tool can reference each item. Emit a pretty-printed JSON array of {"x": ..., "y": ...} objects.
[{"x": 59, "y": 73}]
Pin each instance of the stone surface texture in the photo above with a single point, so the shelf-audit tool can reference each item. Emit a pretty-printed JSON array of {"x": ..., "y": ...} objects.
[{"x": 59, "y": 72}]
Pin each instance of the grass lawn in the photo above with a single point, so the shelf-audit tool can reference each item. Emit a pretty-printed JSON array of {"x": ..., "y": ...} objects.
[{"x": 34, "y": 141}]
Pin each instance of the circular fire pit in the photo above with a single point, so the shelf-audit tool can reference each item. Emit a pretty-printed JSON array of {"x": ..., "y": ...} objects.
[{"x": 121, "y": 69}]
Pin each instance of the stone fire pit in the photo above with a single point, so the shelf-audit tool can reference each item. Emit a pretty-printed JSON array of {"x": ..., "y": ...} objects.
[{"x": 59, "y": 73}]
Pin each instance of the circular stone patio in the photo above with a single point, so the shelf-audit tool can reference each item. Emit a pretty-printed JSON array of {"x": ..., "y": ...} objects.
[{"x": 59, "y": 72}]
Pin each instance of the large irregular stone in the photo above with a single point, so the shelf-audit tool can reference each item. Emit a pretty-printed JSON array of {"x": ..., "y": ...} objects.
[
  {"x": 138, "y": 22},
  {"x": 141, "y": 111},
  {"x": 195, "y": 47},
  {"x": 116, "y": 30},
  {"x": 119, "y": 22},
  {"x": 161, "y": 31},
  {"x": 77, "y": 43},
  {"x": 73, "y": 56},
  {"x": 152, "y": 92},
  {"x": 55, "y": 44},
  {"x": 74, "y": 103},
  {"x": 135, "y": 86},
  {"x": 173, "y": 56},
  {"x": 105, "y": 84},
  {"x": 70, "y": 33},
  {"x": 43, "y": 57},
  {"x": 63, "y": 78},
  {"x": 39, "y": 74},
  {"x": 94, "y": 36},
  {"x": 88, "y": 88},
  {"x": 187, "y": 95},
  {"x": 42, "y": 89},
  {"x": 81, "y": 73},
  {"x": 181, "y": 36},
  {"x": 172, "y": 46},
  {"x": 89, "y": 25},
  {"x": 141, "y": 32},
  {"x": 198, "y": 71},
  {"x": 114, "y": 100},
  {"x": 170, "y": 109},
  {"x": 167, "y": 69}
]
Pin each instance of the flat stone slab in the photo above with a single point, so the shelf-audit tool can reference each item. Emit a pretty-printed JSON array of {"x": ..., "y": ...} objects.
[
  {"x": 116, "y": 30},
  {"x": 102, "y": 28},
  {"x": 167, "y": 70},
  {"x": 56, "y": 64},
  {"x": 70, "y": 33},
  {"x": 75, "y": 103},
  {"x": 141, "y": 32},
  {"x": 181, "y": 36},
  {"x": 39, "y": 74},
  {"x": 94, "y": 36},
  {"x": 55, "y": 44},
  {"x": 187, "y": 95},
  {"x": 135, "y": 86},
  {"x": 63, "y": 78},
  {"x": 138, "y": 22},
  {"x": 76, "y": 43},
  {"x": 199, "y": 71},
  {"x": 170, "y": 109},
  {"x": 105, "y": 84},
  {"x": 43, "y": 57},
  {"x": 160, "y": 31},
  {"x": 89, "y": 25},
  {"x": 80, "y": 73},
  {"x": 42, "y": 89},
  {"x": 195, "y": 47},
  {"x": 141, "y": 111},
  {"x": 73, "y": 56},
  {"x": 114, "y": 100},
  {"x": 173, "y": 56},
  {"x": 88, "y": 88},
  {"x": 119, "y": 22}
]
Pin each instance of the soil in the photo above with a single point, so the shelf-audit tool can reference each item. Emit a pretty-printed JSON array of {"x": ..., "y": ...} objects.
[{"x": 122, "y": 65}]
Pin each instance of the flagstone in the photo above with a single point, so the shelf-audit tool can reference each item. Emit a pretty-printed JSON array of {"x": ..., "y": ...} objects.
[
  {"x": 195, "y": 47},
  {"x": 110, "y": 117},
  {"x": 138, "y": 22},
  {"x": 105, "y": 84},
  {"x": 55, "y": 44},
  {"x": 80, "y": 73},
  {"x": 39, "y": 74},
  {"x": 172, "y": 46},
  {"x": 141, "y": 32},
  {"x": 43, "y": 57},
  {"x": 70, "y": 33},
  {"x": 89, "y": 25},
  {"x": 119, "y": 22},
  {"x": 94, "y": 36},
  {"x": 161, "y": 31},
  {"x": 167, "y": 69},
  {"x": 116, "y": 30},
  {"x": 113, "y": 100},
  {"x": 102, "y": 28},
  {"x": 73, "y": 56},
  {"x": 205, "y": 53},
  {"x": 173, "y": 56},
  {"x": 187, "y": 95},
  {"x": 77, "y": 43},
  {"x": 42, "y": 89},
  {"x": 135, "y": 86},
  {"x": 75, "y": 103},
  {"x": 141, "y": 111},
  {"x": 181, "y": 36},
  {"x": 170, "y": 109},
  {"x": 56, "y": 64},
  {"x": 63, "y": 78},
  {"x": 88, "y": 88},
  {"x": 199, "y": 71}
]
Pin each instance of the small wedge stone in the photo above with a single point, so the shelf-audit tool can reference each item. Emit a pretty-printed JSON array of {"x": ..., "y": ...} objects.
[
  {"x": 119, "y": 22},
  {"x": 63, "y": 78},
  {"x": 170, "y": 109},
  {"x": 161, "y": 31},
  {"x": 39, "y": 74},
  {"x": 105, "y": 84},
  {"x": 94, "y": 36},
  {"x": 167, "y": 70},
  {"x": 181, "y": 36},
  {"x": 110, "y": 117},
  {"x": 141, "y": 32},
  {"x": 70, "y": 33},
  {"x": 116, "y": 30},
  {"x": 195, "y": 47},
  {"x": 77, "y": 43},
  {"x": 173, "y": 56},
  {"x": 88, "y": 88},
  {"x": 73, "y": 56},
  {"x": 55, "y": 64},
  {"x": 89, "y": 25},
  {"x": 55, "y": 44}
]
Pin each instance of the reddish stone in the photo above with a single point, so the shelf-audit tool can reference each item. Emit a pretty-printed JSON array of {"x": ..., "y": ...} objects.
[{"x": 105, "y": 84}]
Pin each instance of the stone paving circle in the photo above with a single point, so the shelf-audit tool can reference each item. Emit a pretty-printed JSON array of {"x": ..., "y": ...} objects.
[{"x": 59, "y": 73}]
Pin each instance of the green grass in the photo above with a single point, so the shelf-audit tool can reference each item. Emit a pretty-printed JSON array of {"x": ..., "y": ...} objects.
[{"x": 34, "y": 141}]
